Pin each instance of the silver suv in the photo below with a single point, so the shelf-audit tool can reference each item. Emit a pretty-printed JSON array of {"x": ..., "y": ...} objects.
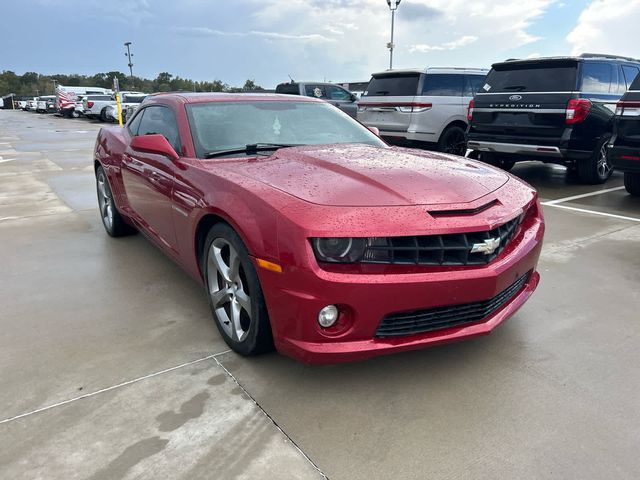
[{"x": 421, "y": 108}]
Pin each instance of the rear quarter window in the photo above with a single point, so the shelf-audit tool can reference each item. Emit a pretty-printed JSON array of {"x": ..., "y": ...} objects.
[
  {"x": 443, "y": 85},
  {"x": 596, "y": 77},
  {"x": 393, "y": 85}
]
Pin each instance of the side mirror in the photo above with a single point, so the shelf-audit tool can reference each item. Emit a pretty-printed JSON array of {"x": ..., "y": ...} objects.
[
  {"x": 375, "y": 131},
  {"x": 354, "y": 97},
  {"x": 154, "y": 143}
]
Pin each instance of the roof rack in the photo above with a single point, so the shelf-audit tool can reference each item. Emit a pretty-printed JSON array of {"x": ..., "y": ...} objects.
[{"x": 606, "y": 55}]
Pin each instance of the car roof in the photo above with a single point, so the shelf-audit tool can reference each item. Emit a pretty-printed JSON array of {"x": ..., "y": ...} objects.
[
  {"x": 460, "y": 70},
  {"x": 206, "y": 97},
  {"x": 575, "y": 58}
]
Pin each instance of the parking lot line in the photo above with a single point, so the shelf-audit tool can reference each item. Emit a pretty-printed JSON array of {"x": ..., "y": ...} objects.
[
  {"x": 113, "y": 387},
  {"x": 593, "y": 212},
  {"x": 584, "y": 195}
]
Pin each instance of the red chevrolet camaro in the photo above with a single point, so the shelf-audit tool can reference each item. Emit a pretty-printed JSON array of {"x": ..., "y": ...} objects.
[{"x": 310, "y": 233}]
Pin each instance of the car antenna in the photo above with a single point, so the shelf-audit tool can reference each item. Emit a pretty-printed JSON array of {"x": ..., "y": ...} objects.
[{"x": 291, "y": 78}]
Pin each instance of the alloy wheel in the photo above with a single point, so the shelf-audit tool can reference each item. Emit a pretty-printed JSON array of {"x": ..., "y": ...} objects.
[
  {"x": 603, "y": 166},
  {"x": 455, "y": 143},
  {"x": 228, "y": 289},
  {"x": 105, "y": 201}
]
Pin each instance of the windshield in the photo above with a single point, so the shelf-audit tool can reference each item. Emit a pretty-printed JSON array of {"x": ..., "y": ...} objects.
[
  {"x": 530, "y": 77},
  {"x": 393, "y": 85},
  {"x": 219, "y": 126}
]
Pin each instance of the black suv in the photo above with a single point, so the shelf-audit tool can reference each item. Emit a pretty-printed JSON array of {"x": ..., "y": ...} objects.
[
  {"x": 624, "y": 153},
  {"x": 334, "y": 94},
  {"x": 557, "y": 110}
]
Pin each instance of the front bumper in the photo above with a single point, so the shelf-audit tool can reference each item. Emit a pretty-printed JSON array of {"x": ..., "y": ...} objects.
[{"x": 295, "y": 297}]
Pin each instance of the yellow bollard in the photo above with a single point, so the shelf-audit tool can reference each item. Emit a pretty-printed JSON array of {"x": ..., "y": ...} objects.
[{"x": 119, "y": 108}]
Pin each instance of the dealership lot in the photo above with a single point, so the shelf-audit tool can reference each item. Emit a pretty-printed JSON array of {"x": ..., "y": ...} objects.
[{"x": 112, "y": 367}]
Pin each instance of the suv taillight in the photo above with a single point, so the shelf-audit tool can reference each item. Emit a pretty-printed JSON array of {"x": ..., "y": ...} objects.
[
  {"x": 577, "y": 110},
  {"x": 472, "y": 103},
  {"x": 89, "y": 104},
  {"x": 628, "y": 109}
]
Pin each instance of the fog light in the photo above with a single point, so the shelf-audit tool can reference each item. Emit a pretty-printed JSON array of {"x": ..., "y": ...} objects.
[{"x": 328, "y": 316}]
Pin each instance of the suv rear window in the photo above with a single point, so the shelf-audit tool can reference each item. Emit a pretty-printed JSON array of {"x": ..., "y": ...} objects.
[
  {"x": 393, "y": 85},
  {"x": 532, "y": 77},
  {"x": 288, "y": 88}
]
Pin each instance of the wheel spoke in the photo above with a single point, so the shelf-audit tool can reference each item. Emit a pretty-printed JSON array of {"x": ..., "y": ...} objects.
[
  {"x": 244, "y": 301},
  {"x": 234, "y": 264},
  {"x": 238, "y": 331},
  {"x": 220, "y": 297},
  {"x": 221, "y": 265}
]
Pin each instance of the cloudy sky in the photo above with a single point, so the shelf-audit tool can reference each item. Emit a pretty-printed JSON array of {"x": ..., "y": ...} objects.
[{"x": 336, "y": 40}]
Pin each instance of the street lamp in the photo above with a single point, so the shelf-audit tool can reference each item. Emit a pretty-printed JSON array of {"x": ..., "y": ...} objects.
[
  {"x": 393, "y": 6},
  {"x": 129, "y": 55}
]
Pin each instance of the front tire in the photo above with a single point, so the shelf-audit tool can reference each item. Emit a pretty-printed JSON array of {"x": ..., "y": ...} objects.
[
  {"x": 452, "y": 141},
  {"x": 113, "y": 222},
  {"x": 632, "y": 183},
  {"x": 596, "y": 169},
  {"x": 235, "y": 295}
]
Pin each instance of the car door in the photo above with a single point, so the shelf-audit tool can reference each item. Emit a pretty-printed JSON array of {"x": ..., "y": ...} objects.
[
  {"x": 148, "y": 178},
  {"x": 341, "y": 98}
]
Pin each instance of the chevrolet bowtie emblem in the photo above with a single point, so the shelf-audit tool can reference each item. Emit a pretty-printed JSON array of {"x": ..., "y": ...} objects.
[{"x": 487, "y": 247}]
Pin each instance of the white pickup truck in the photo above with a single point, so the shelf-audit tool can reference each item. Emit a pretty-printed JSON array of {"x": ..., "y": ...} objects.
[{"x": 100, "y": 107}]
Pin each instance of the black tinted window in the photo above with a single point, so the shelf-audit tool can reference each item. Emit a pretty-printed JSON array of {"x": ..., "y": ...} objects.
[
  {"x": 635, "y": 85},
  {"x": 393, "y": 85},
  {"x": 160, "y": 120},
  {"x": 288, "y": 88},
  {"x": 596, "y": 77},
  {"x": 472, "y": 84},
  {"x": 442, "y": 85},
  {"x": 531, "y": 77},
  {"x": 317, "y": 91},
  {"x": 630, "y": 74}
]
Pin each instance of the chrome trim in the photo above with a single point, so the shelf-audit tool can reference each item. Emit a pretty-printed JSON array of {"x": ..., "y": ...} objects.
[
  {"x": 512, "y": 148},
  {"x": 532, "y": 110}
]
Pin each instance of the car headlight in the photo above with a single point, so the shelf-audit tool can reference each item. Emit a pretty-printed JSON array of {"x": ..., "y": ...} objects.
[{"x": 339, "y": 250}]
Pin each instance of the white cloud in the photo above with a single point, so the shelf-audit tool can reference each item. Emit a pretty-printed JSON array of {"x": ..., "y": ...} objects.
[
  {"x": 607, "y": 26},
  {"x": 204, "y": 31},
  {"x": 455, "y": 44}
]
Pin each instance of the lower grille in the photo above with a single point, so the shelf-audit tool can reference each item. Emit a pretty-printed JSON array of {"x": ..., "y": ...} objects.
[{"x": 421, "y": 321}]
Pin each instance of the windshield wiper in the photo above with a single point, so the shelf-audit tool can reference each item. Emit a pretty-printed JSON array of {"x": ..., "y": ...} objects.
[
  {"x": 383, "y": 92},
  {"x": 250, "y": 149},
  {"x": 516, "y": 87}
]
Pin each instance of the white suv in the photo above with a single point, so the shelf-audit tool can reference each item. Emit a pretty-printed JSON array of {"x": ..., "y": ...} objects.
[{"x": 421, "y": 108}]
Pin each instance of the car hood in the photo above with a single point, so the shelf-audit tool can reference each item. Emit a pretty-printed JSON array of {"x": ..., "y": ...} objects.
[{"x": 362, "y": 175}]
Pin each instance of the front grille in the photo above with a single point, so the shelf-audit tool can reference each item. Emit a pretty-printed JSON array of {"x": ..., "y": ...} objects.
[
  {"x": 421, "y": 321},
  {"x": 448, "y": 249}
]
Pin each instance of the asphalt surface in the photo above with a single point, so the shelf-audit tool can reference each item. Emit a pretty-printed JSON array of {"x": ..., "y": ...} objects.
[{"x": 111, "y": 366}]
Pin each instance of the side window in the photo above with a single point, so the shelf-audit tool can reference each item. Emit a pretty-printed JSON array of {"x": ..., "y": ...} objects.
[
  {"x": 160, "y": 120},
  {"x": 596, "y": 77},
  {"x": 630, "y": 74},
  {"x": 441, "y": 85},
  {"x": 134, "y": 124},
  {"x": 317, "y": 91},
  {"x": 472, "y": 84},
  {"x": 337, "y": 93}
]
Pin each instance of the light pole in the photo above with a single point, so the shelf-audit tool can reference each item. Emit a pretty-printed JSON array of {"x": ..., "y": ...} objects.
[
  {"x": 129, "y": 55},
  {"x": 393, "y": 6}
]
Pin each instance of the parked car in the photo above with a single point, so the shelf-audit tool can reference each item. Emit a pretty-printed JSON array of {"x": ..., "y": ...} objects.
[
  {"x": 129, "y": 99},
  {"x": 311, "y": 233},
  {"x": 329, "y": 92},
  {"x": 556, "y": 110},
  {"x": 44, "y": 104},
  {"x": 69, "y": 105},
  {"x": 22, "y": 104},
  {"x": 32, "y": 104},
  {"x": 424, "y": 108},
  {"x": 94, "y": 105},
  {"x": 624, "y": 151}
]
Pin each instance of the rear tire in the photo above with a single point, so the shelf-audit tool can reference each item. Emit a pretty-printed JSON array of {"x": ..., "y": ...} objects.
[
  {"x": 103, "y": 115},
  {"x": 492, "y": 159},
  {"x": 596, "y": 169},
  {"x": 452, "y": 141},
  {"x": 235, "y": 295},
  {"x": 113, "y": 222},
  {"x": 632, "y": 183}
]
